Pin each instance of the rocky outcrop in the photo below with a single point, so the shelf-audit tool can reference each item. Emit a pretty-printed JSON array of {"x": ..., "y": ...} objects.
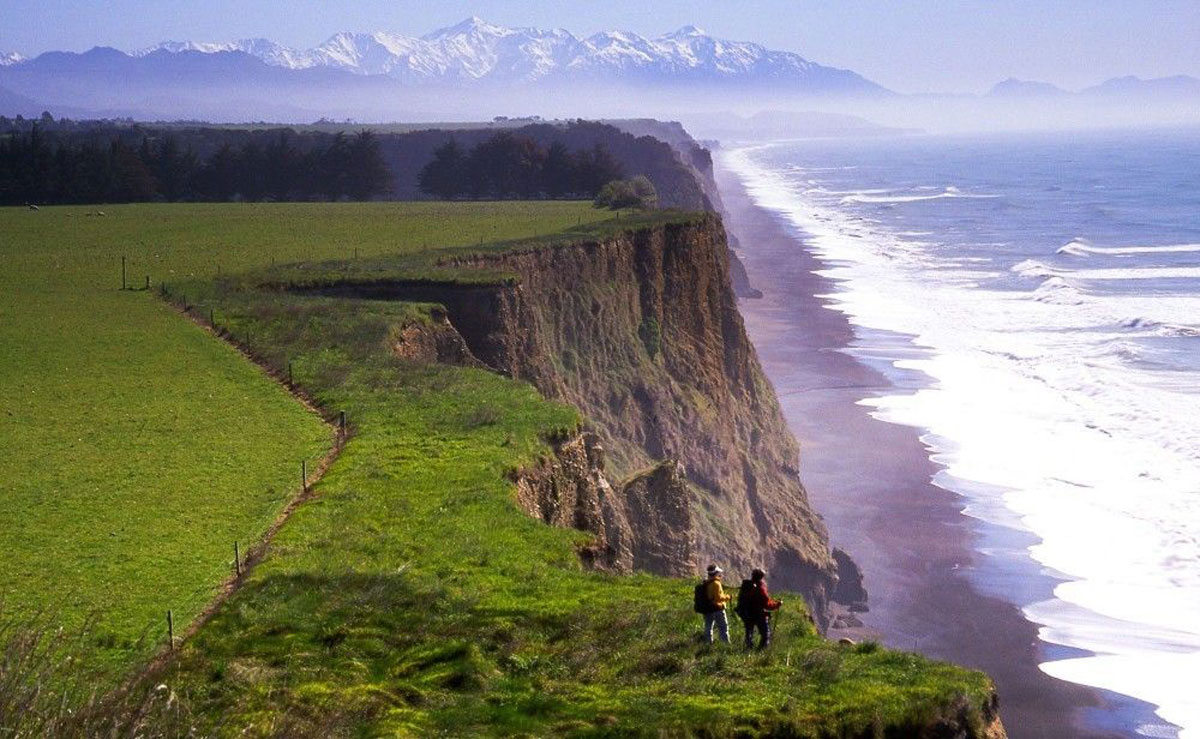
[
  {"x": 643, "y": 525},
  {"x": 436, "y": 341},
  {"x": 849, "y": 590},
  {"x": 657, "y": 502},
  {"x": 570, "y": 490},
  {"x": 962, "y": 720}
]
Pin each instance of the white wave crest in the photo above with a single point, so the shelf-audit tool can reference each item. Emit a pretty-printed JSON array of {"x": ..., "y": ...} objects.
[
  {"x": 1058, "y": 291},
  {"x": 1082, "y": 247},
  {"x": 949, "y": 193},
  {"x": 1034, "y": 268},
  {"x": 1159, "y": 328},
  {"x": 1142, "y": 273}
]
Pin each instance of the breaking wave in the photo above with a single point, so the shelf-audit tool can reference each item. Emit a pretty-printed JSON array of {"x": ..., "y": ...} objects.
[
  {"x": 949, "y": 193},
  {"x": 1083, "y": 247}
]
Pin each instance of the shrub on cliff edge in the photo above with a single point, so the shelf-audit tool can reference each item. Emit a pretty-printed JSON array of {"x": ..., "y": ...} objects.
[{"x": 638, "y": 192}]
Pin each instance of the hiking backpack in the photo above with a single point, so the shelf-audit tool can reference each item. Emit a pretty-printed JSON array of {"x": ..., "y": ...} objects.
[
  {"x": 747, "y": 600},
  {"x": 701, "y": 602}
]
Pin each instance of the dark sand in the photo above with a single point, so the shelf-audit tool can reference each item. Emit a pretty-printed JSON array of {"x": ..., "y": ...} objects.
[{"x": 871, "y": 482}]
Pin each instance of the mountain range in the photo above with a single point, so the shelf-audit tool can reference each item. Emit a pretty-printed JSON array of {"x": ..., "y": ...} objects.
[
  {"x": 475, "y": 69},
  {"x": 475, "y": 51},
  {"x": 1129, "y": 86}
]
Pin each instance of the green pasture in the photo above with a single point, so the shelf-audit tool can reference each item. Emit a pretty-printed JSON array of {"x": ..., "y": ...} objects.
[{"x": 135, "y": 448}]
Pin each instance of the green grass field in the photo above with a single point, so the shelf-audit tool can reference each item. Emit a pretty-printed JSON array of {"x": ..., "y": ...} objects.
[{"x": 136, "y": 448}]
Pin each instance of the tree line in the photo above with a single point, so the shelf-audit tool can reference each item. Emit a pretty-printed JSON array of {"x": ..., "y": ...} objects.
[
  {"x": 508, "y": 165},
  {"x": 49, "y": 167}
]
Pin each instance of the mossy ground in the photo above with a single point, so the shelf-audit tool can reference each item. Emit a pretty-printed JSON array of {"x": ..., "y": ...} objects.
[{"x": 412, "y": 598}]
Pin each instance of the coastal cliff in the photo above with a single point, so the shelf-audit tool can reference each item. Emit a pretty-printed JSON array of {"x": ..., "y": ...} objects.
[
  {"x": 640, "y": 331},
  {"x": 430, "y": 583}
]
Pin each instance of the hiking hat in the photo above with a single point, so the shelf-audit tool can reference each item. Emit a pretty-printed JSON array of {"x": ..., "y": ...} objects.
[
  {"x": 757, "y": 574},
  {"x": 714, "y": 570}
]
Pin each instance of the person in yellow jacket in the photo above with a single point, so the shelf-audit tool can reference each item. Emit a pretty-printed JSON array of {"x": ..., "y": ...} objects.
[{"x": 717, "y": 598}]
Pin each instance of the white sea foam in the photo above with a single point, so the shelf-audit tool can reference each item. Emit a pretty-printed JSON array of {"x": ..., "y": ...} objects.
[
  {"x": 1036, "y": 407},
  {"x": 865, "y": 196},
  {"x": 1083, "y": 247},
  {"x": 1056, "y": 290},
  {"x": 816, "y": 188},
  {"x": 1038, "y": 269},
  {"x": 1139, "y": 273},
  {"x": 1034, "y": 268}
]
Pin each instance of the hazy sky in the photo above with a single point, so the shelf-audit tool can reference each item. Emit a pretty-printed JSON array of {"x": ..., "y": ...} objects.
[{"x": 908, "y": 45}]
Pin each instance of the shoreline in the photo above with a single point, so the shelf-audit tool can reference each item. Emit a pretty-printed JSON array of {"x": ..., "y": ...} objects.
[{"x": 923, "y": 564}]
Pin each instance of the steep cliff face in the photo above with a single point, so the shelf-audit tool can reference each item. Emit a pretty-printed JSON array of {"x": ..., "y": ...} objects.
[{"x": 641, "y": 332}]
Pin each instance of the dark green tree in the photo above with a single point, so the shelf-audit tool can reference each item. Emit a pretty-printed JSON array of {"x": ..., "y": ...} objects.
[
  {"x": 445, "y": 177},
  {"x": 368, "y": 175}
]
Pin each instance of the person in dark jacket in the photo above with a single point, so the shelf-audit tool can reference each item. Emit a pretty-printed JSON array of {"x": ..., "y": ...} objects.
[{"x": 754, "y": 606}]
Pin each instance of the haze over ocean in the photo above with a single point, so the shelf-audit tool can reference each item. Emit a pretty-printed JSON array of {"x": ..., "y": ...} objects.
[{"x": 1047, "y": 288}]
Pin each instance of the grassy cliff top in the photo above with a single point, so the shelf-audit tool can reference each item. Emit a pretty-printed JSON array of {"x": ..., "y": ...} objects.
[
  {"x": 436, "y": 262},
  {"x": 137, "y": 448}
]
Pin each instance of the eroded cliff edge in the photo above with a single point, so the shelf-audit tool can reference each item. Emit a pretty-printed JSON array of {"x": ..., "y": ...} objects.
[{"x": 688, "y": 459}]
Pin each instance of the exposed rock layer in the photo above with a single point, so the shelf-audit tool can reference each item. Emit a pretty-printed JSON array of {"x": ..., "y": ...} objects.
[{"x": 646, "y": 525}]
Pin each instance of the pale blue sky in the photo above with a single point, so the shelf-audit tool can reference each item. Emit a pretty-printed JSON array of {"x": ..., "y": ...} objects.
[{"x": 908, "y": 45}]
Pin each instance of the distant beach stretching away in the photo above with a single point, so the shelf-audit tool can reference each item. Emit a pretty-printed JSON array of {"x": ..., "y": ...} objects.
[{"x": 959, "y": 465}]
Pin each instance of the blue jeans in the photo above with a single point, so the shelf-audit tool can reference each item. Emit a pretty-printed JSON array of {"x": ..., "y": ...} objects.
[{"x": 721, "y": 620}]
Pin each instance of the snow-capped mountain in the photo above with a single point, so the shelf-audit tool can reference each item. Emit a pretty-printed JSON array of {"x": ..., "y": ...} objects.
[
  {"x": 10, "y": 58},
  {"x": 475, "y": 51},
  {"x": 268, "y": 51}
]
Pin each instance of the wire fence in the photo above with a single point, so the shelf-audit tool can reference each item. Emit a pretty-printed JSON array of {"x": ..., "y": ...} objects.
[{"x": 180, "y": 616}]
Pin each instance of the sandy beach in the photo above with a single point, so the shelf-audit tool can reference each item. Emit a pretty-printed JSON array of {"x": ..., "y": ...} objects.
[{"x": 871, "y": 482}]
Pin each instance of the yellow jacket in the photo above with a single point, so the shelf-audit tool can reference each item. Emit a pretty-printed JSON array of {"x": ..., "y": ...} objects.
[{"x": 716, "y": 594}]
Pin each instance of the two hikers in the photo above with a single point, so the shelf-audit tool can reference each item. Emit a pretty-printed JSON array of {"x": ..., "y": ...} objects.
[
  {"x": 710, "y": 600},
  {"x": 755, "y": 606}
]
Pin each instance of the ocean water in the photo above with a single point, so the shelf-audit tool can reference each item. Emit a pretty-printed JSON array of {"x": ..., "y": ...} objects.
[{"x": 1049, "y": 287}]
